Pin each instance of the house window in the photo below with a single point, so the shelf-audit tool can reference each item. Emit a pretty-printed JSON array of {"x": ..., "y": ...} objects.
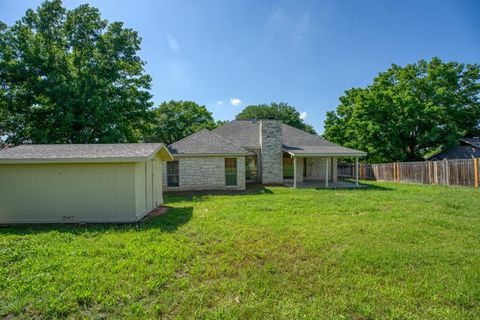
[
  {"x": 287, "y": 167},
  {"x": 304, "y": 167},
  {"x": 251, "y": 170},
  {"x": 172, "y": 174},
  {"x": 230, "y": 171}
]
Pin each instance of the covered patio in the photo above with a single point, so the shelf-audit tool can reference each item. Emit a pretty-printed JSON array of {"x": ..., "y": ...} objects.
[{"x": 316, "y": 166}]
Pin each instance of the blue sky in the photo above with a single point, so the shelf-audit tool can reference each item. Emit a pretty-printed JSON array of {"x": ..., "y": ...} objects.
[{"x": 229, "y": 54}]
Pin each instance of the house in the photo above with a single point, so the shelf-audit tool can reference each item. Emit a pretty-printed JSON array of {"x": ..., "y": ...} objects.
[
  {"x": 468, "y": 148},
  {"x": 250, "y": 151},
  {"x": 80, "y": 183}
]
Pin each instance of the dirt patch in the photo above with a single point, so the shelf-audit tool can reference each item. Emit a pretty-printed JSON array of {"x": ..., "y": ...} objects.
[{"x": 160, "y": 211}]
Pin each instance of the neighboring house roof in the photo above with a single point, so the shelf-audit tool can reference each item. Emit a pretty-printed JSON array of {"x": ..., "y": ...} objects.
[
  {"x": 469, "y": 148},
  {"x": 205, "y": 142},
  {"x": 245, "y": 133},
  {"x": 59, "y": 153},
  {"x": 475, "y": 142}
]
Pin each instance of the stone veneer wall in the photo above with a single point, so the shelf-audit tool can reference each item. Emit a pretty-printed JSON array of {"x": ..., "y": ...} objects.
[
  {"x": 334, "y": 169},
  {"x": 271, "y": 145},
  {"x": 316, "y": 169},
  {"x": 205, "y": 173}
]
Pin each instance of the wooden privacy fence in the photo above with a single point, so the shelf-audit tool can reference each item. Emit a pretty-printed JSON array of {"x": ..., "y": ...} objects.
[{"x": 461, "y": 172}]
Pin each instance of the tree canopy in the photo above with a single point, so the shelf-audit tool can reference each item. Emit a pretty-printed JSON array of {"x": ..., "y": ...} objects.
[
  {"x": 275, "y": 111},
  {"x": 69, "y": 76},
  {"x": 409, "y": 112},
  {"x": 174, "y": 120}
]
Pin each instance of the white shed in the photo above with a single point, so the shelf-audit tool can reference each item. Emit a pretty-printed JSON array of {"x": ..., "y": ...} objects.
[{"x": 72, "y": 183}]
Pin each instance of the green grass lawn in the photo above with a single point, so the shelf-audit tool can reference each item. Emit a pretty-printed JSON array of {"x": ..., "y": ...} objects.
[{"x": 394, "y": 251}]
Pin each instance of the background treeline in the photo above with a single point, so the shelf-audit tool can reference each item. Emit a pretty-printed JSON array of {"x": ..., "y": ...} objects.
[{"x": 69, "y": 76}]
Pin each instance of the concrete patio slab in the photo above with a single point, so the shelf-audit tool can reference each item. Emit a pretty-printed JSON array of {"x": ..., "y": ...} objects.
[{"x": 321, "y": 185}]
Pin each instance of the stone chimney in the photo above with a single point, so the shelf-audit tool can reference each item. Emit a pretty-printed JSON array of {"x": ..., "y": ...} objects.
[{"x": 270, "y": 133}]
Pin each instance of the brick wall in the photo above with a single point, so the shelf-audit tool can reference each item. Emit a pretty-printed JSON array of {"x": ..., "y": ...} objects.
[
  {"x": 271, "y": 146},
  {"x": 316, "y": 169},
  {"x": 205, "y": 173}
]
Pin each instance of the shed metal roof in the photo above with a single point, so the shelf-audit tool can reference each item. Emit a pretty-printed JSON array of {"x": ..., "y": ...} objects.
[{"x": 121, "y": 152}]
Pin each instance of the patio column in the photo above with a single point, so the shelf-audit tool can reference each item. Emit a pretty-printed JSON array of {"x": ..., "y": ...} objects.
[
  {"x": 356, "y": 171},
  {"x": 327, "y": 160},
  {"x": 294, "y": 172}
]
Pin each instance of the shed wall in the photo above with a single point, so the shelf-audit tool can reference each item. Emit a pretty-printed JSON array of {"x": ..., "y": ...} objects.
[
  {"x": 148, "y": 186},
  {"x": 89, "y": 192}
]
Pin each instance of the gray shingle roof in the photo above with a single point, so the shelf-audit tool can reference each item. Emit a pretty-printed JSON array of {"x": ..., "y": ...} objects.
[
  {"x": 299, "y": 142},
  {"x": 472, "y": 141},
  {"x": 80, "y": 152},
  {"x": 245, "y": 133},
  {"x": 326, "y": 150},
  {"x": 205, "y": 142}
]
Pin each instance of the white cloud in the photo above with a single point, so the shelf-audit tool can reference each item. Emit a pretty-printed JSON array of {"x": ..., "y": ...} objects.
[
  {"x": 220, "y": 102},
  {"x": 173, "y": 44},
  {"x": 235, "y": 101},
  {"x": 303, "y": 115}
]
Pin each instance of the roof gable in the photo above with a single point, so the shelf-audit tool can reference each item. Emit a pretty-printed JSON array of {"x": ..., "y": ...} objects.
[{"x": 205, "y": 142}]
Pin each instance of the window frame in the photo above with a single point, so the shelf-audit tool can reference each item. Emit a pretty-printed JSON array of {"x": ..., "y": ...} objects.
[
  {"x": 177, "y": 174},
  {"x": 249, "y": 170},
  {"x": 233, "y": 175},
  {"x": 287, "y": 167}
]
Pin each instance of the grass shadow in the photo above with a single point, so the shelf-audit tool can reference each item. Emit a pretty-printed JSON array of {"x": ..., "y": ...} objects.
[
  {"x": 363, "y": 187},
  {"x": 198, "y": 195},
  {"x": 168, "y": 222}
]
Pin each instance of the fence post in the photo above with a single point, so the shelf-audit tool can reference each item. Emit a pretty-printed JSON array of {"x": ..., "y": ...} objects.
[
  {"x": 398, "y": 172},
  {"x": 475, "y": 170},
  {"x": 447, "y": 172}
]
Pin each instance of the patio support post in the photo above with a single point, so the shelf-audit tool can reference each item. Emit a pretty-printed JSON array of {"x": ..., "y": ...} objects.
[
  {"x": 294, "y": 172},
  {"x": 327, "y": 160},
  {"x": 356, "y": 171}
]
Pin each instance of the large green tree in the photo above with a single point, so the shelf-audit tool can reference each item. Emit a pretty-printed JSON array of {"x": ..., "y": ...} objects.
[
  {"x": 174, "y": 120},
  {"x": 69, "y": 76},
  {"x": 275, "y": 111},
  {"x": 409, "y": 112}
]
